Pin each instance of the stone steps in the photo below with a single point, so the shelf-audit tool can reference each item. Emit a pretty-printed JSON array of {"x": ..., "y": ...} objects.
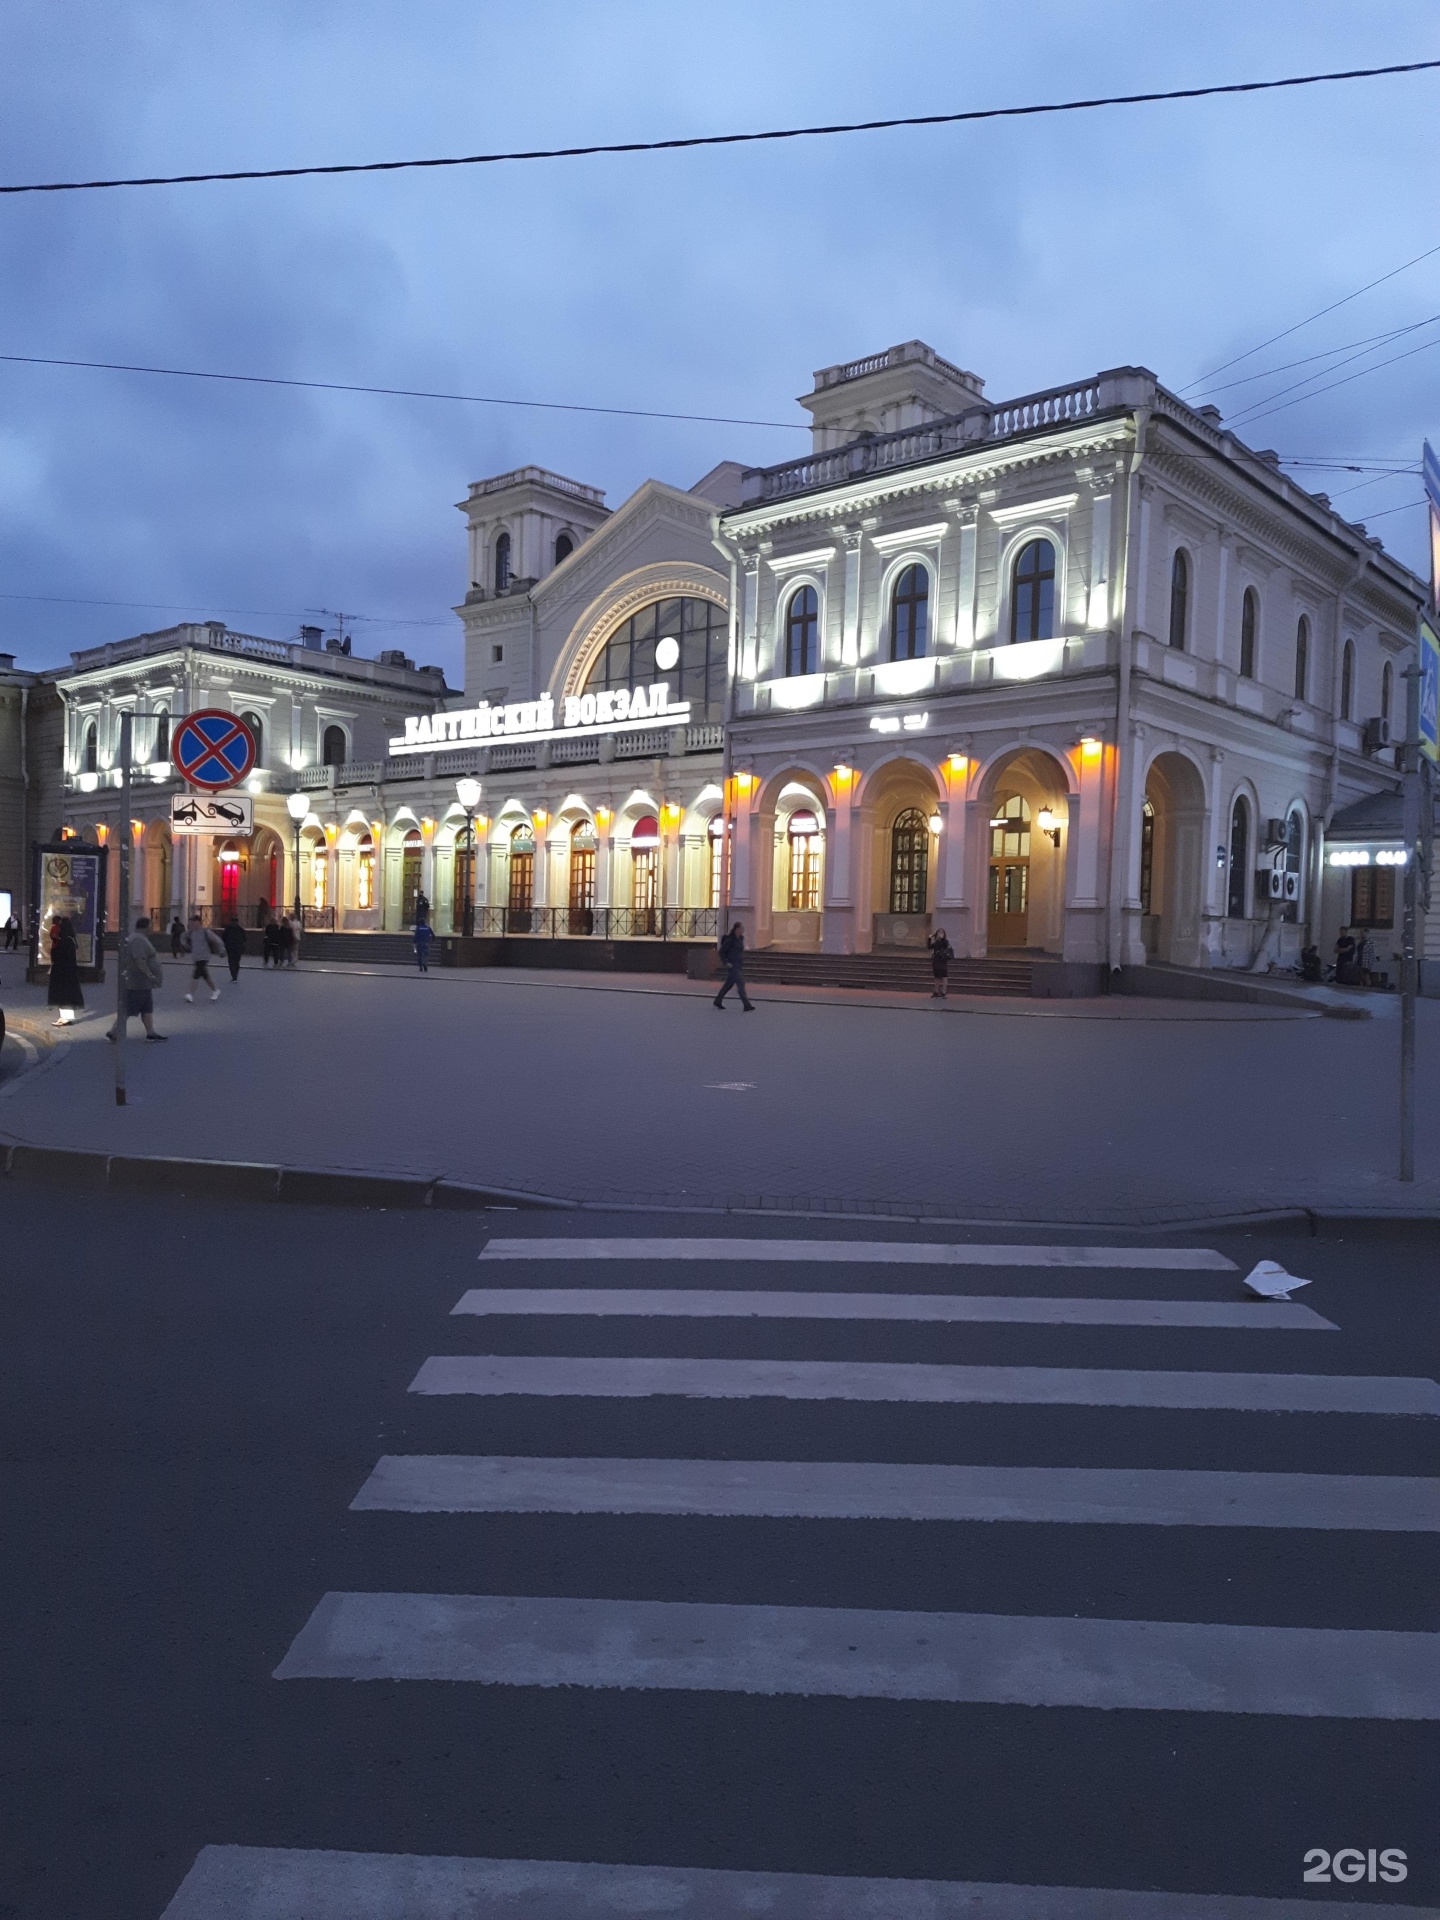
[{"x": 887, "y": 972}]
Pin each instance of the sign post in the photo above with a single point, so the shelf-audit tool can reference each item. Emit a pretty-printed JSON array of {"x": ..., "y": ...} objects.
[{"x": 1421, "y": 748}]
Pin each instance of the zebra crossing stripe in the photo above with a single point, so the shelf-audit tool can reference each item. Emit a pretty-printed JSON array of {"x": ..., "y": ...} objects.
[
  {"x": 863, "y": 1653},
  {"x": 874, "y": 1380},
  {"x": 281, "y": 1883},
  {"x": 702, "y": 1304},
  {"x": 898, "y": 1253},
  {"x": 843, "y": 1490}
]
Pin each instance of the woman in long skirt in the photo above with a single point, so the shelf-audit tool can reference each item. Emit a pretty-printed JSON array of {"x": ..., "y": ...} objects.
[{"x": 64, "y": 991}]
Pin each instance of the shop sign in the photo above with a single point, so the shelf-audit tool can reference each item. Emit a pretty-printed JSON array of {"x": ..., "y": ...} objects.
[{"x": 611, "y": 710}]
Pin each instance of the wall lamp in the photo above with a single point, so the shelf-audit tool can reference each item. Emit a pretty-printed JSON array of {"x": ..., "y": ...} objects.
[
  {"x": 1048, "y": 823},
  {"x": 935, "y": 823}
]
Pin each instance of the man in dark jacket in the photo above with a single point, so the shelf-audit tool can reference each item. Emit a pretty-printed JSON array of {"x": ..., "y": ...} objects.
[
  {"x": 732, "y": 952},
  {"x": 232, "y": 938}
]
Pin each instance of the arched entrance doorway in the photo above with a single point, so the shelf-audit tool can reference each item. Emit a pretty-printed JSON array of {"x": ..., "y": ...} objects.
[
  {"x": 645, "y": 875},
  {"x": 584, "y": 846},
  {"x": 412, "y": 874},
  {"x": 520, "y": 897},
  {"x": 1025, "y": 829},
  {"x": 1170, "y": 845},
  {"x": 227, "y": 858},
  {"x": 1010, "y": 872}
]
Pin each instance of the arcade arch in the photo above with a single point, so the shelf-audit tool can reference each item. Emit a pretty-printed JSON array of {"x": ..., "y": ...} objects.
[
  {"x": 1023, "y": 843},
  {"x": 1169, "y": 848}
]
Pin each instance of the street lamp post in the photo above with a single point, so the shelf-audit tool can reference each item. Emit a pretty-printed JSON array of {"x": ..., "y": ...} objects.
[
  {"x": 468, "y": 793},
  {"x": 297, "y": 805}
]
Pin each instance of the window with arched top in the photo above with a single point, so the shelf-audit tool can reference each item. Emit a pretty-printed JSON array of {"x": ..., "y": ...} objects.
[
  {"x": 1179, "y": 598},
  {"x": 1147, "y": 857},
  {"x": 910, "y": 614},
  {"x": 1387, "y": 690},
  {"x": 804, "y": 834},
  {"x": 909, "y": 862},
  {"x": 683, "y": 642},
  {"x": 1302, "y": 659},
  {"x": 716, "y": 834},
  {"x": 802, "y": 631},
  {"x": 564, "y": 547},
  {"x": 1237, "y": 891},
  {"x": 502, "y": 562},
  {"x": 332, "y": 747},
  {"x": 1347, "y": 681},
  {"x": 1249, "y": 618},
  {"x": 161, "y": 747},
  {"x": 1032, "y": 592},
  {"x": 90, "y": 748},
  {"x": 1295, "y": 859},
  {"x": 365, "y": 872},
  {"x": 257, "y": 728},
  {"x": 583, "y": 847}
]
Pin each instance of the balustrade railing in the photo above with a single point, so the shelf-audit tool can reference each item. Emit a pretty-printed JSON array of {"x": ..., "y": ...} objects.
[{"x": 598, "y": 923}]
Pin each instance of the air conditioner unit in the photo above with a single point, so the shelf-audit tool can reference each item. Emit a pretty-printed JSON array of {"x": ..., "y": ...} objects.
[
  {"x": 1275, "y": 833},
  {"x": 1376, "y": 735},
  {"x": 1270, "y": 883},
  {"x": 1292, "y": 886}
]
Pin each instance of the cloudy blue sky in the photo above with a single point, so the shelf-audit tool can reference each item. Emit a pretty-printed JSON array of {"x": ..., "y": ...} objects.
[{"x": 1034, "y": 252}]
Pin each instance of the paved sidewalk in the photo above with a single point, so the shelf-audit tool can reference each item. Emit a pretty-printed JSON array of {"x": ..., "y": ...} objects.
[{"x": 632, "y": 1088}]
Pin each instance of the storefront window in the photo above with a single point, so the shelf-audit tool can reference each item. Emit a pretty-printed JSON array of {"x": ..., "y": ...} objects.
[
  {"x": 804, "y": 836},
  {"x": 365, "y": 873},
  {"x": 699, "y": 633}
]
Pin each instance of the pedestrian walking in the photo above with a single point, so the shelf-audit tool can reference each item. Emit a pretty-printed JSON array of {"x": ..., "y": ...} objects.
[
  {"x": 141, "y": 971},
  {"x": 270, "y": 943},
  {"x": 12, "y": 934},
  {"x": 177, "y": 937},
  {"x": 732, "y": 953},
  {"x": 941, "y": 954},
  {"x": 232, "y": 938},
  {"x": 424, "y": 933},
  {"x": 201, "y": 945},
  {"x": 290, "y": 939},
  {"x": 64, "y": 992}
]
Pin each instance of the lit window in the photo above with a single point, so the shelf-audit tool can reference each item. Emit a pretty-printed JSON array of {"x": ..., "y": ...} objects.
[
  {"x": 910, "y": 615},
  {"x": 645, "y": 864},
  {"x": 804, "y": 836},
  {"x": 365, "y": 873},
  {"x": 1032, "y": 600},
  {"x": 717, "y": 859},
  {"x": 909, "y": 862}
]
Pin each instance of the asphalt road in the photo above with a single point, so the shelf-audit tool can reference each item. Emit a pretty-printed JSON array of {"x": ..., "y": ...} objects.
[{"x": 194, "y": 1396}]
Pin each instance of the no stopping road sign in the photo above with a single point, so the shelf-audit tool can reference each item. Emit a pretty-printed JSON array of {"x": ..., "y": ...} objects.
[{"x": 213, "y": 749}]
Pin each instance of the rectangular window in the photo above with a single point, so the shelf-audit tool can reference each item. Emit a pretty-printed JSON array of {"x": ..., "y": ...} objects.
[
  {"x": 1372, "y": 897},
  {"x": 804, "y": 894},
  {"x": 497, "y": 654}
]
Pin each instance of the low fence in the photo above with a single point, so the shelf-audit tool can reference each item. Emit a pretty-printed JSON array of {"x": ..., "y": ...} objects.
[{"x": 597, "y": 923}]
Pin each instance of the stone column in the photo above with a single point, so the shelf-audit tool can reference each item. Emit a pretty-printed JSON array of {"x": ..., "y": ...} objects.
[
  {"x": 965, "y": 589},
  {"x": 837, "y": 931}
]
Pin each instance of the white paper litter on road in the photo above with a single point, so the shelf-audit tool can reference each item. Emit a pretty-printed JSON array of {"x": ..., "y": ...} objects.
[{"x": 1269, "y": 1280}]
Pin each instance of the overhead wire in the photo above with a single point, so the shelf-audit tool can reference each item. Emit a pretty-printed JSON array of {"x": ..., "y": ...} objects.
[{"x": 596, "y": 148}]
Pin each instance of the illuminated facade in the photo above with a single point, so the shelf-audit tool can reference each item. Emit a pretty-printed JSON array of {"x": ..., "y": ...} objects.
[{"x": 1078, "y": 675}]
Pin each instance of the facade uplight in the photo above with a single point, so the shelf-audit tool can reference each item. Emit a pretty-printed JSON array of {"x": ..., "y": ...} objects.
[{"x": 1089, "y": 745}]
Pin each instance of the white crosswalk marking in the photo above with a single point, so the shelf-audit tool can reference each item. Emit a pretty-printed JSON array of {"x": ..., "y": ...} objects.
[
  {"x": 275, "y": 1883},
  {"x": 889, "y": 1253},
  {"x": 1203, "y": 1669},
  {"x": 843, "y": 1490},
  {"x": 861, "y": 1653},
  {"x": 553, "y": 1374},
  {"x": 708, "y": 1304}
]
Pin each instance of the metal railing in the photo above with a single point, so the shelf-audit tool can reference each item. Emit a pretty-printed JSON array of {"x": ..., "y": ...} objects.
[{"x": 598, "y": 923}]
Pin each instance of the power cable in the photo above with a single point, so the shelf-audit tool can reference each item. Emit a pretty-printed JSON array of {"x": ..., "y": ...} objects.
[
  {"x": 190, "y": 606},
  {"x": 400, "y": 393},
  {"x": 1199, "y": 385},
  {"x": 1253, "y": 410},
  {"x": 1328, "y": 353},
  {"x": 733, "y": 139},
  {"x": 1284, "y": 406}
]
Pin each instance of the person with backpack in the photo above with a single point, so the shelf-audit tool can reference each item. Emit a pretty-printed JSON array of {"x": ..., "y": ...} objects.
[
  {"x": 140, "y": 966},
  {"x": 732, "y": 954},
  {"x": 201, "y": 945},
  {"x": 424, "y": 933},
  {"x": 941, "y": 954}
]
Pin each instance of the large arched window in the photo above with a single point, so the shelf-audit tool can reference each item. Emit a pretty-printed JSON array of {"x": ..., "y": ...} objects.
[
  {"x": 564, "y": 547},
  {"x": 1032, "y": 592},
  {"x": 583, "y": 848},
  {"x": 1249, "y": 615},
  {"x": 716, "y": 833},
  {"x": 412, "y": 872},
  {"x": 682, "y": 642},
  {"x": 1147, "y": 857},
  {"x": 909, "y": 862},
  {"x": 90, "y": 749},
  {"x": 257, "y": 728},
  {"x": 1295, "y": 860},
  {"x": 1302, "y": 659},
  {"x": 803, "y": 834},
  {"x": 645, "y": 873},
  {"x": 502, "y": 563},
  {"x": 1179, "y": 598},
  {"x": 802, "y": 631},
  {"x": 1387, "y": 691},
  {"x": 365, "y": 871},
  {"x": 521, "y": 894},
  {"x": 161, "y": 747},
  {"x": 1347, "y": 681},
  {"x": 332, "y": 747},
  {"x": 1237, "y": 892},
  {"x": 910, "y": 615}
]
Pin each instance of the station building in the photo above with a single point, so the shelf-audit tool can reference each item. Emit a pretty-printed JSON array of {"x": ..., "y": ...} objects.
[{"x": 1078, "y": 677}]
